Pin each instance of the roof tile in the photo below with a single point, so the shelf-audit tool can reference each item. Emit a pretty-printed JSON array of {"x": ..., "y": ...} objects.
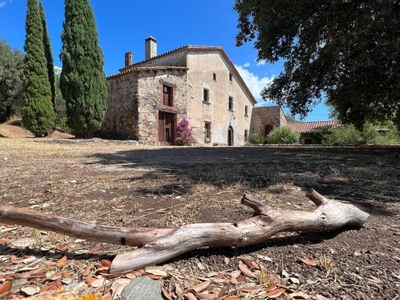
[{"x": 312, "y": 127}]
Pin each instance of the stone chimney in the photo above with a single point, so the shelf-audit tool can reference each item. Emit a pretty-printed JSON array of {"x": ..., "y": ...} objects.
[
  {"x": 128, "y": 59},
  {"x": 151, "y": 47}
]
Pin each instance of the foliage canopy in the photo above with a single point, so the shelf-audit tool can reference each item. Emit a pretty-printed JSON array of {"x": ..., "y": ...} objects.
[
  {"x": 346, "y": 51},
  {"x": 82, "y": 82},
  {"x": 11, "y": 64}
]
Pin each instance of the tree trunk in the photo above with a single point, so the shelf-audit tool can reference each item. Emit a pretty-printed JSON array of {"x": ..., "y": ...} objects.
[{"x": 161, "y": 244}]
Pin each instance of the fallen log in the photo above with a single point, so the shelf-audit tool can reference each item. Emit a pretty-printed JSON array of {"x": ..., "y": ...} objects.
[{"x": 161, "y": 244}]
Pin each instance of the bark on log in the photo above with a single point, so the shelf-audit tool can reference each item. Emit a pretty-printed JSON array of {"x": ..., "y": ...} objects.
[{"x": 161, "y": 244}]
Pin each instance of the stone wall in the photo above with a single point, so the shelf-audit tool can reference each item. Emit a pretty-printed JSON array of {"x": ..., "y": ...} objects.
[
  {"x": 150, "y": 85},
  {"x": 266, "y": 116},
  {"x": 202, "y": 67},
  {"x": 121, "y": 119}
]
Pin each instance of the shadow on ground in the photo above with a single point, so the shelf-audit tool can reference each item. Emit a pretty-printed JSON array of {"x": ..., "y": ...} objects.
[{"x": 367, "y": 177}]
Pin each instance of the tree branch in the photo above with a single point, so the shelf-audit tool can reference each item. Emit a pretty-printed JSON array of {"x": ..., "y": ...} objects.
[{"x": 161, "y": 244}]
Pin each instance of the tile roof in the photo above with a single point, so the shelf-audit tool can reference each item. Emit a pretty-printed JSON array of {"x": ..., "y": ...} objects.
[
  {"x": 312, "y": 127},
  {"x": 149, "y": 68}
]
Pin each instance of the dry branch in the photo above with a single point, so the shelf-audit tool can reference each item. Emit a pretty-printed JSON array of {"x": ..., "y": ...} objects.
[{"x": 161, "y": 244}]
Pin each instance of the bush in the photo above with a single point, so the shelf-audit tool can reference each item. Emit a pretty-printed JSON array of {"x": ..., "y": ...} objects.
[
  {"x": 343, "y": 135},
  {"x": 373, "y": 134},
  {"x": 255, "y": 138},
  {"x": 380, "y": 134},
  {"x": 184, "y": 133},
  {"x": 283, "y": 135}
]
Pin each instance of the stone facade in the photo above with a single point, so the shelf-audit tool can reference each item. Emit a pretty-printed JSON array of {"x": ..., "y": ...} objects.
[
  {"x": 266, "y": 119},
  {"x": 205, "y": 88}
]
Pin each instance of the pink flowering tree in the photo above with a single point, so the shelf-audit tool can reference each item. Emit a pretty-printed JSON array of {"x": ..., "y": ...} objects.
[{"x": 184, "y": 135}]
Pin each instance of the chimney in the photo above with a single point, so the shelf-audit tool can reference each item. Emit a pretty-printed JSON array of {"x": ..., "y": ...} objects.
[
  {"x": 151, "y": 47},
  {"x": 128, "y": 59}
]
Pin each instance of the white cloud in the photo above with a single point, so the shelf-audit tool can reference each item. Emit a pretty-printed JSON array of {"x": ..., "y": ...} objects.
[
  {"x": 261, "y": 62},
  {"x": 245, "y": 65},
  {"x": 254, "y": 82},
  {"x": 2, "y": 4}
]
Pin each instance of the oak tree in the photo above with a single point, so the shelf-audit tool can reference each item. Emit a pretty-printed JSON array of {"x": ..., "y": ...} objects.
[{"x": 343, "y": 51}]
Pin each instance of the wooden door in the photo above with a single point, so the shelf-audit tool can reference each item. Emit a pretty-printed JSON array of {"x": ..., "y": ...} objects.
[{"x": 166, "y": 127}]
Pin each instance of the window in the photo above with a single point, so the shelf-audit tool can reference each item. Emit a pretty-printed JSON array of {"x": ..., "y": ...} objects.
[
  {"x": 230, "y": 104},
  {"x": 206, "y": 95},
  {"x": 167, "y": 96},
  {"x": 246, "y": 135},
  {"x": 207, "y": 132},
  {"x": 214, "y": 76},
  {"x": 246, "y": 110},
  {"x": 230, "y": 76}
]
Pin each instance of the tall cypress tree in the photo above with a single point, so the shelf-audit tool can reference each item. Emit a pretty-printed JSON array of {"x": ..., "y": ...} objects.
[
  {"x": 49, "y": 55},
  {"x": 82, "y": 82},
  {"x": 37, "y": 114}
]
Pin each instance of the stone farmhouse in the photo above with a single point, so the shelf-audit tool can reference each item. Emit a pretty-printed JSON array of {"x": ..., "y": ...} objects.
[{"x": 147, "y": 99}]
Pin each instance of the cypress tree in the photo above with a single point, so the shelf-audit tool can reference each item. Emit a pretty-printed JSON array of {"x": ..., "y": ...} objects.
[
  {"x": 49, "y": 55},
  {"x": 37, "y": 114},
  {"x": 82, "y": 82}
]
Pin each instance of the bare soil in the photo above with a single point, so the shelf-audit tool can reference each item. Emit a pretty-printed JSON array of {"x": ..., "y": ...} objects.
[{"x": 119, "y": 183}]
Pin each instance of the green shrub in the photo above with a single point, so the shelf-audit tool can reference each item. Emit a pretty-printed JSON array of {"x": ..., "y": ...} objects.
[
  {"x": 343, "y": 135},
  {"x": 380, "y": 134},
  {"x": 283, "y": 135},
  {"x": 255, "y": 138}
]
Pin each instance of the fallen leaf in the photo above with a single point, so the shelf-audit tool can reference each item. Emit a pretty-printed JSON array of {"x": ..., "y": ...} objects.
[
  {"x": 103, "y": 270},
  {"x": 294, "y": 280},
  {"x": 255, "y": 265},
  {"x": 275, "y": 293},
  {"x": 89, "y": 280},
  {"x": 63, "y": 247},
  {"x": 205, "y": 296},
  {"x": 30, "y": 290},
  {"x": 130, "y": 275},
  {"x": 88, "y": 270},
  {"x": 98, "y": 282},
  {"x": 157, "y": 272},
  {"x": 247, "y": 262},
  {"x": 61, "y": 262},
  {"x": 165, "y": 293},
  {"x": 252, "y": 288},
  {"x": 231, "y": 298},
  {"x": 51, "y": 287},
  {"x": 201, "y": 286},
  {"x": 190, "y": 296},
  {"x": 246, "y": 271},
  {"x": 299, "y": 296},
  {"x": 106, "y": 263},
  {"x": 309, "y": 262},
  {"x": 152, "y": 276},
  {"x": 5, "y": 287}
]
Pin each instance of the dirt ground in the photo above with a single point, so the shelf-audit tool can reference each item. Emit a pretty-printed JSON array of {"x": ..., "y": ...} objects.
[{"x": 119, "y": 183}]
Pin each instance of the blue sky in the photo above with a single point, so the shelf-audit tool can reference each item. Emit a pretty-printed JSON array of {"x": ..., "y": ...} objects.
[{"x": 123, "y": 26}]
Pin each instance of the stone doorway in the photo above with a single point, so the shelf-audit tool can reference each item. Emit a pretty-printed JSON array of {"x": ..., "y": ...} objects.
[
  {"x": 166, "y": 128},
  {"x": 230, "y": 136}
]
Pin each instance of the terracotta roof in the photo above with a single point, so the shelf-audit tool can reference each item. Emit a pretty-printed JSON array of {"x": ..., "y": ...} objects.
[
  {"x": 138, "y": 69},
  {"x": 312, "y": 127},
  {"x": 198, "y": 48}
]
